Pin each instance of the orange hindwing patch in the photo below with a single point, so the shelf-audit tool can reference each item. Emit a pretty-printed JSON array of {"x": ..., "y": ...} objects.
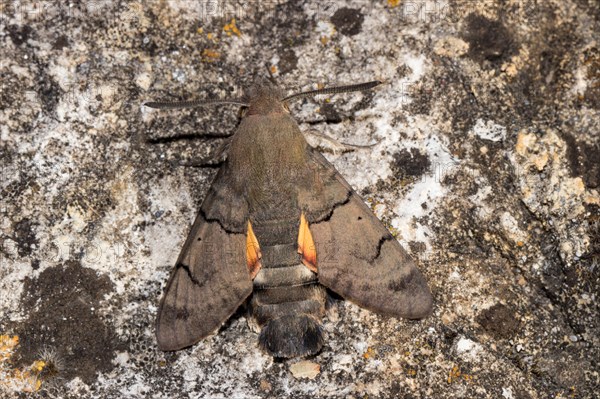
[
  {"x": 253, "y": 254},
  {"x": 306, "y": 245}
]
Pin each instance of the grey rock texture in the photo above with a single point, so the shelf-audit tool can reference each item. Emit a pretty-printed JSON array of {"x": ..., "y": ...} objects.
[{"x": 486, "y": 166}]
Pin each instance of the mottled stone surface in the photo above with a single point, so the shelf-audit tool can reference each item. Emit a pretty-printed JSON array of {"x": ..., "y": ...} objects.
[{"x": 485, "y": 164}]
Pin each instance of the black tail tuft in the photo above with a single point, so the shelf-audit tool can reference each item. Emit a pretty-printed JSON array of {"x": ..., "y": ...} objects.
[{"x": 292, "y": 335}]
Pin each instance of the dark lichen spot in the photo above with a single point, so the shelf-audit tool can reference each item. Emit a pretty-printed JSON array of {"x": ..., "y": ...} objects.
[
  {"x": 149, "y": 46},
  {"x": 19, "y": 34},
  {"x": 499, "y": 321},
  {"x": 584, "y": 160},
  {"x": 348, "y": 21},
  {"x": 24, "y": 236},
  {"x": 330, "y": 113},
  {"x": 49, "y": 92},
  {"x": 488, "y": 39},
  {"x": 288, "y": 61},
  {"x": 60, "y": 43},
  {"x": 592, "y": 61},
  {"x": 59, "y": 305},
  {"x": 410, "y": 163},
  {"x": 543, "y": 85}
]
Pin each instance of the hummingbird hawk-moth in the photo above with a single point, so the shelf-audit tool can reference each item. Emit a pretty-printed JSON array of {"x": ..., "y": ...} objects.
[{"x": 278, "y": 227}]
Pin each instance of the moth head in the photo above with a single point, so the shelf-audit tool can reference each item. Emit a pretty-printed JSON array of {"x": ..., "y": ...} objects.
[{"x": 265, "y": 98}]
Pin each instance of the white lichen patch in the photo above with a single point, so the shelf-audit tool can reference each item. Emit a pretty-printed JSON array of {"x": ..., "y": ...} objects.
[
  {"x": 511, "y": 228},
  {"x": 489, "y": 130},
  {"x": 12, "y": 275},
  {"x": 143, "y": 80},
  {"x": 467, "y": 348},
  {"x": 507, "y": 393}
]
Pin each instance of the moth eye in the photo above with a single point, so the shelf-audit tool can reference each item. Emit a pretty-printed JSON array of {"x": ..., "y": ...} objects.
[{"x": 243, "y": 112}]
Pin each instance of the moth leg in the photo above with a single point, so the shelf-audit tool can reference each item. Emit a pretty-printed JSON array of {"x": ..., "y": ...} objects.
[
  {"x": 181, "y": 137},
  {"x": 201, "y": 164},
  {"x": 326, "y": 143},
  {"x": 216, "y": 161}
]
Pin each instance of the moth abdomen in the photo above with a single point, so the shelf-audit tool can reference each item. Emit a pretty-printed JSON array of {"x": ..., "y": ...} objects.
[
  {"x": 292, "y": 335},
  {"x": 287, "y": 303},
  {"x": 290, "y": 318}
]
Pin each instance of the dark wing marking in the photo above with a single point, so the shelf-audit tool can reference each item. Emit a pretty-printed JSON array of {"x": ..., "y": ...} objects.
[
  {"x": 357, "y": 257},
  {"x": 211, "y": 279}
]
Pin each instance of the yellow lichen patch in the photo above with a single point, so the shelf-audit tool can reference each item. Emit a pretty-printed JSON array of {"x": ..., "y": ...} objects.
[
  {"x": 393, "y": 3},
  {"x": 324, "y": 40},
  {"x": 7, "y": 345},
  {"x": 209, "y": 55},
  {"x": 524, "y": 142},
  {"x": 451, "y": 47},
  {"x": 540, "y": 161},
  {"x": 516, "y": 63},
  {"x": 210, "y": 36},
  {"x": 395, "y": 232},
  {"x": 592, "y": 198},
  {"x": 26, "y": 379},
  {"x": 369, "y": 353},
  {"x": 200, "y": 30},
  {"x": 230, "y": 28},
  {"x": 455, "y": 375},
  {"x": 273, "y": 69}
]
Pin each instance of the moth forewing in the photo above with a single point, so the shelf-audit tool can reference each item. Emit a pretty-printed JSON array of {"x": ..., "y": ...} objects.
[
  {"x": 294, "y": 226},
  {"x": 210, "y": 280},
  {"x": 363, "y": 261}
]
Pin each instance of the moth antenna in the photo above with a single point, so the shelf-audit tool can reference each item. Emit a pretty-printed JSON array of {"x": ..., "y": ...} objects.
[
  {"x": 192, "y": 103},
  {"x": 335, "y": 90}
]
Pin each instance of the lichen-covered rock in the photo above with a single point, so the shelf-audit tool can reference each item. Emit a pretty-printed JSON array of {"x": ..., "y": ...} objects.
[{"x": 485, "y": 165}]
